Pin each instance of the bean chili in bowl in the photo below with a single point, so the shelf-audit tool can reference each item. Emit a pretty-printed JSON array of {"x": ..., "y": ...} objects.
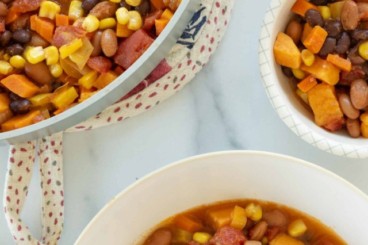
[
  {"x": 56, "y": 54},
  {"x": 324, "y": 51},
  {"x": 243, "y": 222}
]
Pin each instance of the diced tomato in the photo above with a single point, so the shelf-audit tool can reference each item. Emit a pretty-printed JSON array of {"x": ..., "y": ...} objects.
[
  {"x": 99, "y": 63},
  {"x": 132, "y": 48},
  {"x": 24, "y": 6},
  {"x": 66, "y": 34},
  {"x": 149, "y": 21},
  {"x": 228, "y": 236}
]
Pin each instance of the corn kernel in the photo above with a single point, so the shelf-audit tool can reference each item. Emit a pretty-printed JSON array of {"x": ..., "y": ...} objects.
[
  {"x": 17, "y": 61},
  {"x": 238, "y": 218},
  {"x": 5, "y": 67},
  {"x": 34, "y": 55},
  {"x": 49, "y": 9},
  {"x": 56, "y": 70},
  {"x": 254, "y": 212},
  {"x": 134, "y": 3},
  {"x": 87, "y": 81},
  {"x": 52, "y": 55},
  {"x": 201, "y": 237},
  {"x": 90, "y": 23},
  {"x": 307, "y": 57},
  {"x": 363, "y": 50},
  {"x": 75, "y": 10},
  {"x": 70, "y": 48},
  {"x": 297, "y": 228},
  {"x": 325, "y": 12},
  {"x": 135, "y": 20},
  {"x": 122, "y": 15},
  {"x": 364, "y": 118},
  {"x": 299, "y": 74},
  {"x": 115, "y": 1},
  {"x": 364, "y": 130},
  {"x": 107, "y": 23}
]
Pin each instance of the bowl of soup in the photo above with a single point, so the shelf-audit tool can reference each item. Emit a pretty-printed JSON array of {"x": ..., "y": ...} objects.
[
  {"x": 303, "y": 44},
  {"x": 238, "y": 197}
]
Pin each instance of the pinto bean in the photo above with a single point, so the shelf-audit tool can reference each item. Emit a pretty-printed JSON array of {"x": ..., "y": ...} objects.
[
  {"x": 359, "y": 94},
  {"x": 258, "y": 231},
  {"x": 275, "y": 218},
  {"x": 37, "y": 40},
  {"x": 252, "y": 243},
  {"x": 96, "y": 42},
  {"x": 109, "y": 42},
  {"x": 39, "y": 72},
  {"x": 353, "y": 127},
  {"x": 104, "y": 10},
  {"x": 347, "y": 107},
  {"x": 294, "y": 29},
  {"x": 350, "y": 15},
  {"x": 3, "y": 9},
  {"x": 160, "y": 237}
]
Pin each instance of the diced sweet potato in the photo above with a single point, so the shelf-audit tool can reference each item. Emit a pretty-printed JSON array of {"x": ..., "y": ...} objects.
[
  {"x": 21, "y": 121},
  {"x": 315, "y": 39},
  {"x": 300, "y": 7},
  {"x": 306, "y": 30},
  {"x": 326, "y": 109},
  {"x": 20, "y": 85},
  {"x": 323, "y": 70},
  {"x": 286, "y": 52},
  {"x": 4, "y": 102}
]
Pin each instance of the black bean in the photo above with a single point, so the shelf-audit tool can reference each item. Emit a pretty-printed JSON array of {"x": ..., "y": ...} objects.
[
  {"x": 20, "y": 106},
  {"x": 87, "y": 5},
  {"x": 5, "y": 38},
  {"x": 359, "y": 34},
  {"x": 22, "y": 36},
  {"x": 287, "y": 71},
  {"x": 14, "y": 49},
  {"x": 328, "y": 46},
  {"x": 55, "y": 85},
  {"x": 144, "y": 8},
  {"x": 313, "y": 17},
  {"x": 333, "y": 28},
  {"x": 13, "y": 96},
  {"x": 343, "y": 43},
  {"x": 319, "y": 2},
  {"x": 354, "y": 57}
]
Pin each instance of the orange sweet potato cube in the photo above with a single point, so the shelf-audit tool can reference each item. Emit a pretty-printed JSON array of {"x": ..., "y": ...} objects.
[
  {"x": 286, "y": 52},
  {"x": 300, "y": 7},
  {"x": 325, "y": 107},
  {"x": 323, "y": 70},
  {"x": 315, "y": 39},
  {"x": 4, "y": 102}
]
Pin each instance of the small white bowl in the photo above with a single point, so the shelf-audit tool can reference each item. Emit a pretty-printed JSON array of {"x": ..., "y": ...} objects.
[
  {"x": 224, "y": 176},
  {"x": 284, "y": 98}
]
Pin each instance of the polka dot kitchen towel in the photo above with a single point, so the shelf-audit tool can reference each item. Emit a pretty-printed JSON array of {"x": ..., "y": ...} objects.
[{"x": 191, "y": 52}]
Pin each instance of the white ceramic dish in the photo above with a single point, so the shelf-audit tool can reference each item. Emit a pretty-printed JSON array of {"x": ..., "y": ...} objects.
[
  {"x": 230, "y": 175},
  {"x": 115, "y": 90},
  {"x": 283, "y": 97}
]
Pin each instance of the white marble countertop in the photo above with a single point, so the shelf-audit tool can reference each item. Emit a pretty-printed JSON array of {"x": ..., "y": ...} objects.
[{"x": 224, "y": 108}]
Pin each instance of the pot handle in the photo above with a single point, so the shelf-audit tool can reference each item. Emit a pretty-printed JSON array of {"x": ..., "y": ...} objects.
[{"x": 18, "y": 176}]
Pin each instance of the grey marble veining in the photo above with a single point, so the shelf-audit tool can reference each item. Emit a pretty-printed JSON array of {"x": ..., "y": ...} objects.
[{"x": 224, "y": 108}]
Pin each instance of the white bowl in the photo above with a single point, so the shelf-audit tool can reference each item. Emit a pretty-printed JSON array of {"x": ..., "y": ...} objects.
[
  {"x": 284, "y": 98},
  {"x": 230, "y": 175}
]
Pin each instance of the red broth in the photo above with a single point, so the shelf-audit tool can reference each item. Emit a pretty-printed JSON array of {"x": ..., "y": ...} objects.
[{"x": 243, "y": 222}]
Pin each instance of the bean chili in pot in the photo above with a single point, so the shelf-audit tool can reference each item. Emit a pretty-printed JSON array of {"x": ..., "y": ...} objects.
[
  {"x": 324, "y": 52},
  {"x": 57, "y": 53},
  {"x": 243, "y": 222}
]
